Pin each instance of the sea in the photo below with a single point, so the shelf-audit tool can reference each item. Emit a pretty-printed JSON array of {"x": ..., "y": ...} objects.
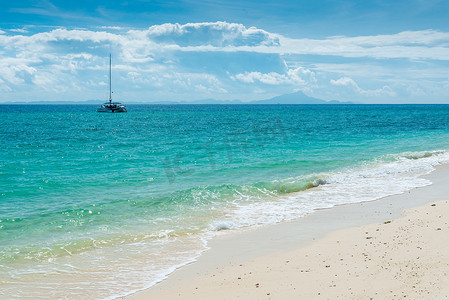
[{"x": 97, "y": 206}]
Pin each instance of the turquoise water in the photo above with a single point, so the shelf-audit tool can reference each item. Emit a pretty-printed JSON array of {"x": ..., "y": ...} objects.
[{"x": 114, "y": 202}]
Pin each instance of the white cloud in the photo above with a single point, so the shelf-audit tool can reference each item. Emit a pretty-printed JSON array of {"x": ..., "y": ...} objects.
[
  {"x": 15, "y": 70},
  {"x": 216, "y": 34},
  {"x": 141, "y": 45},
  {"x": 83, "y": 55},
  {"x": 19, "y": 30},
  {"x": 4, "y": 87},
  {"x": 187, "y": 81},
  {"x": 111, "y": 27},
  {"x": 346, "y": 81},
  {"x": 426, "y": 44},
  {"x": 269, "y": 78},
  {"x": 45, "y": 80},
  {"x": 155, "y": 57},
  {"x": 297, "y": 76}
]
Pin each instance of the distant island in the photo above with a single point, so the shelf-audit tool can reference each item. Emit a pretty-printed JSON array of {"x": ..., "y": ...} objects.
[
  {"x": 297, "y": 98},
  {"x": 293, "y": 98}
]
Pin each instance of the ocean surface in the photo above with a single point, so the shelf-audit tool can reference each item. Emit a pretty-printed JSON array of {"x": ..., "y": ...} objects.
[{"x": 99, "y": 205}]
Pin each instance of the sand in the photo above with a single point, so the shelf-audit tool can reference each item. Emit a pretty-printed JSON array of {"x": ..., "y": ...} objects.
[{"x": 392, "y": 248}]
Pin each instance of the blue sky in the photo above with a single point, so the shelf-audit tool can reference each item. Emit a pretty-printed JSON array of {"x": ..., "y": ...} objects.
[{"x": 364, "y": 51}]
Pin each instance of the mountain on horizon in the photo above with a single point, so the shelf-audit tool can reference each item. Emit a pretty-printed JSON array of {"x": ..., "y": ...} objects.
[{"x": 294, "y": 98}]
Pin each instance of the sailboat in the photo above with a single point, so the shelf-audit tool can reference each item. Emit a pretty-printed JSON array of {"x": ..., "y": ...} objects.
[{"x": 111, "y": 107}]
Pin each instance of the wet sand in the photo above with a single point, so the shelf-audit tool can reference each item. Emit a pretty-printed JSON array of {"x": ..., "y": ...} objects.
[{"x": 393, "y": 248}]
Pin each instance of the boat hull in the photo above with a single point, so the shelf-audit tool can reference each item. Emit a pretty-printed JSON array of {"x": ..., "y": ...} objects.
[{"x": 112, "y": 108}]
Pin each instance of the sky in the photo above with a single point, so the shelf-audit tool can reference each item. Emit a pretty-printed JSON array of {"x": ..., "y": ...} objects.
[{"x": 372, "y": 51}]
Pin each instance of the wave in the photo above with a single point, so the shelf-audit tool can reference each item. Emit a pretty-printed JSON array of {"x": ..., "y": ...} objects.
[
  {"x": 295, "y": 197},
  {"x": 222, "y": 207},
  {"x": 187, "y": 219}
]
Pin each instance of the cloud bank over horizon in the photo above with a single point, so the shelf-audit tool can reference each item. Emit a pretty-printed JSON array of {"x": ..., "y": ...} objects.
[{"x": 220, "y": 60}]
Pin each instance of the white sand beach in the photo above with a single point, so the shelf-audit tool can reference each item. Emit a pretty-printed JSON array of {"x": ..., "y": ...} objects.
[{"x": 393, "y": 248}]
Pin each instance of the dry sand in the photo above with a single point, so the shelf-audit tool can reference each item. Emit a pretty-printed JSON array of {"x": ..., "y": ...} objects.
[{"x": 396, "y": 256}]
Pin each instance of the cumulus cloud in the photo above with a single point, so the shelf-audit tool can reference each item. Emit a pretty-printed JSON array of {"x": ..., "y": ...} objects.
[
  {"x": 140, "y": 51},
  {"x": 142, "y": 45},
  {"x": 217, "y": 34},
  {"x": 14, "y": 70},
  {"x": 426, "y": 44},
  {"x": 349, "y": 82},
  {"x": 344, "y": 81},
  {"x": 297, "y": 76},
  {"x": 156, "y": 57}
]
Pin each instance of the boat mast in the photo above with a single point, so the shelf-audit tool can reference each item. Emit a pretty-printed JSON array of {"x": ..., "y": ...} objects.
[{"x": 110, "y": 79}]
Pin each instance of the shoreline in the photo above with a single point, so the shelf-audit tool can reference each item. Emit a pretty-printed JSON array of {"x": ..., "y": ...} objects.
[{"x": 233, "y": 254}]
